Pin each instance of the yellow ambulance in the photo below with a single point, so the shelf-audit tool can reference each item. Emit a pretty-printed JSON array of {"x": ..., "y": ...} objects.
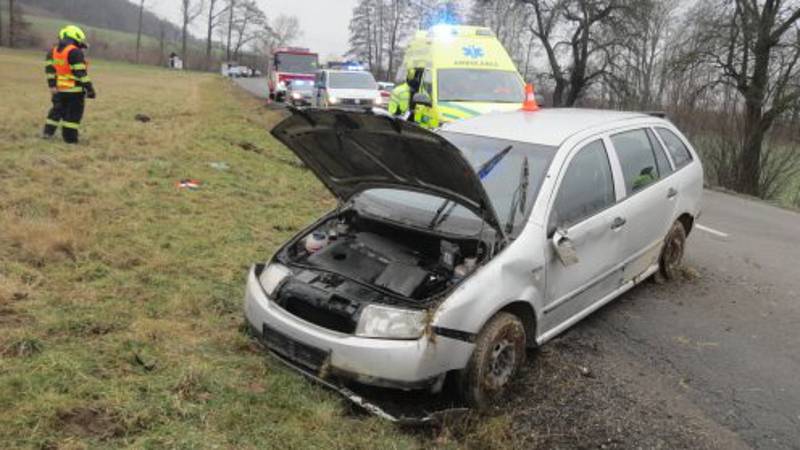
[{"x": 467, "y": 72}]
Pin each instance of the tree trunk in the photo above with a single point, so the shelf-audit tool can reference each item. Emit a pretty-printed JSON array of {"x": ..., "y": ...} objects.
[
  {"x": 232, "y": 6},
  {"x": 755, "y": 126},
  {"x": 210, "y": 31},
  {"x": 1, "y": 25},
  {"x": 139, "y": 31},
  {"x": 11, "y": 24},
  {"x": 184, "y": 34}
]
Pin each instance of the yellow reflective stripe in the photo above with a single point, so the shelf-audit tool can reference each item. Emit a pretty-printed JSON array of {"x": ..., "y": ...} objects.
[
  {"x": 74, "y": 89},
  {"x": 60, "y": 62},
  {"x": 452, "y": 113},
  {"x": 49, "y": 62},
  {"x": 85, "y": 79},
  {"x": 51, "y": 76},
  {"x": 79, "y": 66},
  {"x": 71, "y": 125},
  {"x": 51, "y": 122}
]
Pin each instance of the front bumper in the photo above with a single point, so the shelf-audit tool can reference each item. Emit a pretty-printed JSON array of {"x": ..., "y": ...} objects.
[{"x": 400, "y": 364}]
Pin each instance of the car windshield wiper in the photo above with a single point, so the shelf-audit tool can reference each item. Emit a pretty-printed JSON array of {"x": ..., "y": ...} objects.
[
  {"x": 487, "y": 167},
  {"x": 520, "y": 198},
  {"x": 483, "y": 170}
]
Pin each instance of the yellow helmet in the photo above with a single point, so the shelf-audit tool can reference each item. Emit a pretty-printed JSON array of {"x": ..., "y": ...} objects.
[
  {"x": 74, "y": 33},
  {"x": 410, "y": 74}
]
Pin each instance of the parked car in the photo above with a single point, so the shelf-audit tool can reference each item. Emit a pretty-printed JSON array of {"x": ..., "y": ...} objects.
[
  {"x": 354, "y": 89},
  {"x": 451, "y": 252},
  {"x": 300, "y": 92},
  {"x": 385, "y": 88}
]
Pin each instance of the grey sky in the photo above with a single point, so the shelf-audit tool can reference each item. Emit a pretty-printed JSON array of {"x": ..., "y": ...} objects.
[{"x": 324, "y": 22}]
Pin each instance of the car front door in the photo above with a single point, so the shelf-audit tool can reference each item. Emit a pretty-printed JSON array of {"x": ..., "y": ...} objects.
[
  {"x": 583, "y": 219},
  {"x": 649, "y": 200}
]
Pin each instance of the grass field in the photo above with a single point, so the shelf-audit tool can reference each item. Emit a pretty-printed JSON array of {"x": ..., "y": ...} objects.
[{"x": 120, "y": 295}]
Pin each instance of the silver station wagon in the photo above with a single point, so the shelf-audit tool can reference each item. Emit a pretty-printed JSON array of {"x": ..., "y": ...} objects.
[{"x": 450, "y": 252}]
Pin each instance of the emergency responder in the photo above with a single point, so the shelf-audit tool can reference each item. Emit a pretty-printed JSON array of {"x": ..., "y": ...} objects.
[
  {"x": 400, "y": 101},
  {"x": 69, "y": 83}
]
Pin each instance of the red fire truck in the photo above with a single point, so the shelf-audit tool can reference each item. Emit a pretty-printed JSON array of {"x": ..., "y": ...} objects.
[{"x": 291, "y": 63}]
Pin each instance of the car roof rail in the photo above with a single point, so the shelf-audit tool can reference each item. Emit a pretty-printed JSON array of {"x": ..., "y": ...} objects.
[{"x": 659, "y": 114}]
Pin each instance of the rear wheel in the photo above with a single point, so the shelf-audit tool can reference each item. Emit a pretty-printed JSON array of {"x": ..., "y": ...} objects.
[
  {"x": 672, "y": 253},
  {"x": 499, "y": 353}
]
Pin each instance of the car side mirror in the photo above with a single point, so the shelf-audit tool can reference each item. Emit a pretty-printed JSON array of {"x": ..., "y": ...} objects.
[
  {"x": 564, "y": 248},
  {"x": 421, "y": 98}
]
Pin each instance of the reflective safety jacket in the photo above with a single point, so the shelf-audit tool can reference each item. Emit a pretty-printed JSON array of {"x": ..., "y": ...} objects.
[
  {"x": 400, "y": 99},
  {"x": 66, "y": 69}
]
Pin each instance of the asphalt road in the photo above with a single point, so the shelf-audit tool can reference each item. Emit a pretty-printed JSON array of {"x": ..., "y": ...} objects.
[
  {"x": 721, "y": 346},
  {"x": 255, "y": 86},
  {"x": 727, "y": 339}
]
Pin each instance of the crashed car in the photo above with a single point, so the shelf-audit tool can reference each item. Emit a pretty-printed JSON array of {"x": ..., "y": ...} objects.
[{"x": 451, "y": 252}]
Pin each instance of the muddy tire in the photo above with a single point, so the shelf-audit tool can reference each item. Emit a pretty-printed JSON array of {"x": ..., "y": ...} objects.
[
  {"x": 671, "y": 254},
  {"x": 499, "y": 353}
]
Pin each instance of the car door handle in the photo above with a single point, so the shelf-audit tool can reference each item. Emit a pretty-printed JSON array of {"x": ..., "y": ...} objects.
[
  {"x": 672, "y": 192},
  {"x": 619, "y": 222}
]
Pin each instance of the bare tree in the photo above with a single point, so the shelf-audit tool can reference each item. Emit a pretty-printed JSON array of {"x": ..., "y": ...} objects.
[
  {"x": 756, "y": 46},
  {"x": 213, "y": 20},
  {"x": 248, "y": 25},
  {"x": 139, "y": 30},
  {"x": 190, "y": 10},
  {"x": 577, "y": 26},
  {"x": 377, "y": 30}
]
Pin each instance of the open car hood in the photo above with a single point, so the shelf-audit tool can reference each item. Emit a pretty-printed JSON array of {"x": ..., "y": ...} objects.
[{"x": 352, "y": 151}]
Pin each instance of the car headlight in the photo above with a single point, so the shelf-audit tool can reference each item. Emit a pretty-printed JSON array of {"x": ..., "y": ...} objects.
[
  {"x": 272, "y": 276},
  {"x": 296, "y": 95},
  {"x": 281, "y": 85},
  {"x": 386, "y": 322},
  {"x": 378, "y": 100},
  {"x": 333, "y": 100}
]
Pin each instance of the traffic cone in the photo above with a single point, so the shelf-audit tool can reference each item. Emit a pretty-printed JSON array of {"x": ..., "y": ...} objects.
[{"x": 530, "y": 100}]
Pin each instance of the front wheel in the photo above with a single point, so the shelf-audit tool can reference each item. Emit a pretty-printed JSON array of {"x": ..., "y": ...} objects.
[
  {"x": 672, "y": 253},
  {"x": 499, "y": 354}
]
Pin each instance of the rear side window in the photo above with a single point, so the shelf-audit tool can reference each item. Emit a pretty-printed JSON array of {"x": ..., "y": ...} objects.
[
  {"x": 664, "y": 168},
  {"x": 680, "y": 154},
  {"x": 638, "y": 161},
  {"x": 587, "y": 187}
]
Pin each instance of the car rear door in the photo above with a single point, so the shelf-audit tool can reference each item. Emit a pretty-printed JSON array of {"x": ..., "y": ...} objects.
[
  {"x": 585, "y": 215},
  {"x": 650, "y": 194}
]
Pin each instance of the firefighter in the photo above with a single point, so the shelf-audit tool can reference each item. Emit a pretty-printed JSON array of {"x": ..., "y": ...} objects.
[
  {"x": 400, "y": 100},
  {"x": 69, "y": 83}
]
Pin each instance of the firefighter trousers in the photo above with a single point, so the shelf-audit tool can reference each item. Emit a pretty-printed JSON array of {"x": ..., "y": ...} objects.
[{"x": 67, "y": 111}]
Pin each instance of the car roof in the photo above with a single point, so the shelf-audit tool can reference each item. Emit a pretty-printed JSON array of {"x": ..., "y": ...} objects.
[{"x": 548, "y": 126}]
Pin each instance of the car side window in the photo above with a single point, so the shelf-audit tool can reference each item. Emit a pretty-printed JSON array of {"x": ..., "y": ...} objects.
[
  {"x": 680, "y": 154},
  {"x": 587, "y": 187},
  {"x": 661, "y": 157},
  {"x": 427, "y": 82},
  {"x": 639, "y": 167}
]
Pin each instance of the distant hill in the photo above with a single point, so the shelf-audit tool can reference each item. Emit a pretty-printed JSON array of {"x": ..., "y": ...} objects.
[{"x": 119, "y": 15}]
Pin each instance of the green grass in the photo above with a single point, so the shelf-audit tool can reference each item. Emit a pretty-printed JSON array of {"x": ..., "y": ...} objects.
[
  {"x": 120, "y": 295},
  {"x": 46, "y": 27}
]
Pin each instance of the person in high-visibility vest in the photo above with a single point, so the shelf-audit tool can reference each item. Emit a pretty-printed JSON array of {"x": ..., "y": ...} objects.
[
  {"x": 69, "y": 82},
  {"x": 402, "y": 95}
]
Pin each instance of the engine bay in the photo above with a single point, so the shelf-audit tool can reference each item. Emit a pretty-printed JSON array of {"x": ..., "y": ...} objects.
[{"x": 349, "y": 260}]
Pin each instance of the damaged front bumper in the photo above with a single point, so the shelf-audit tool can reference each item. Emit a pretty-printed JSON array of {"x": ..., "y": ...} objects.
[{"x": 327, "y": 355}]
